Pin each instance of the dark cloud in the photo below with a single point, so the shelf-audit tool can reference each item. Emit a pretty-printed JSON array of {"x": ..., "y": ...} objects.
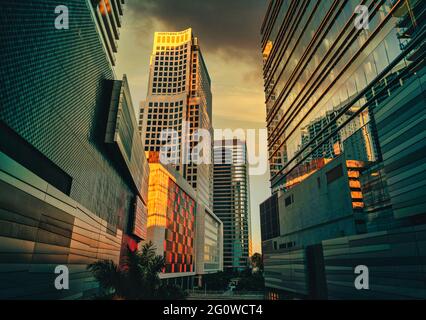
[{"x": 222, "y": 25}]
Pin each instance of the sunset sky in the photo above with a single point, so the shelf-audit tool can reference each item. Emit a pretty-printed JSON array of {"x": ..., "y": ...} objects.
[{"x": 229, "y": 37}]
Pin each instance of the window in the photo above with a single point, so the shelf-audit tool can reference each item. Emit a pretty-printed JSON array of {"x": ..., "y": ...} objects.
[
  {"x": 334, "y": 174},
  {"x": 289, "y": 200}
]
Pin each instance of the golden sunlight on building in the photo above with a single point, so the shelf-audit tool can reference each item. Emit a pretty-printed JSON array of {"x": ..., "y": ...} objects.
[
  {"x": 157, "y": 195},
  {"x": 171, "y": 219}
]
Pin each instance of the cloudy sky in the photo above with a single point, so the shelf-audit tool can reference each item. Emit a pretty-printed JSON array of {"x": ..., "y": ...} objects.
[{"x": 229, "y": 36}]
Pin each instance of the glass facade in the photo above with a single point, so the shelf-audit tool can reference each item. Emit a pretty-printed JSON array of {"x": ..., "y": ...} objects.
[
  {"x": 80, "y": 198},
  {"x": 231, "y": 200},
  {"x": 209, "y": 242},
  {"x": 108, "y": 15},
  {"x": 351, "y": 99},
  {"x": 126, "y": 146},
  {"x": 324, "y": 78},
  {"x": 54, "y": 96},
  {"x": 212, "y": 242}
]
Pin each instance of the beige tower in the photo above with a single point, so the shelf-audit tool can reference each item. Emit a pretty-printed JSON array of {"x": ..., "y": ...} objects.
[{"x": 179, "y": 101}]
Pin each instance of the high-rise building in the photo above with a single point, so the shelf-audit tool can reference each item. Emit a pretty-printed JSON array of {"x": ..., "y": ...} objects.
[
  {"x": 171, "y": 222},
  {"x": 73, "y": 174},
  {"x": 345, "y": 115},
  {"x": 178, "y": 106},
  {"x": 231, "y": 200},
  {"x": 179, "y": 100}
]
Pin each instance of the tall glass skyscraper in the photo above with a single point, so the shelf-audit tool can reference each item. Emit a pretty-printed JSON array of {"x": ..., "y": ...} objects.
[
  {"x": 73, "y": 173},
  {"x": 179, "y": 99},
  {"x": 231, "y": 201},
  {"x": 345, "y": 101}
]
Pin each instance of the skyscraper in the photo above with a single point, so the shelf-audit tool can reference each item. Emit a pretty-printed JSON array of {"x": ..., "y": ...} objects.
[
  {"x": 179, "y": 105},
  {"x": 231, "y": 201},
  {"x": 345, "y": 159},
  {"x": 74, "y": 176},
  {"x": 179, "y": 99}
]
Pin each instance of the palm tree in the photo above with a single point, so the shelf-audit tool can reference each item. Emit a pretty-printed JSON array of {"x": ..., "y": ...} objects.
[
  {"x": 137, "y": 278},
  {"x": 109, "y": 276},
  {"x": 257, "y": 261}
]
